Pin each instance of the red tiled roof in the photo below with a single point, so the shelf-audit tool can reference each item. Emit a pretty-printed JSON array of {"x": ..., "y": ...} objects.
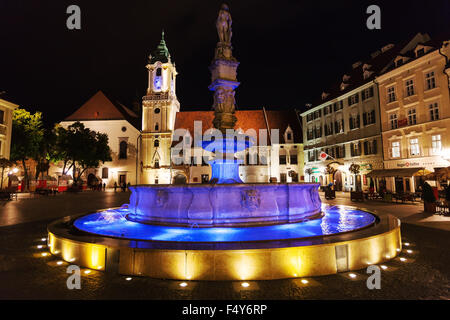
[
  {"x": 101, "y": 107},
  {"x": 246, "y": 119}
]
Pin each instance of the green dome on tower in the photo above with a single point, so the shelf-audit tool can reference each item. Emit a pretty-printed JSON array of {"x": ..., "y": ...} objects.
[{"x": 161, "y": 53}]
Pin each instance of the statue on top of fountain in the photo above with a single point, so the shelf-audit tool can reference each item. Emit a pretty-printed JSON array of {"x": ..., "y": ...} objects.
[{"x": 223, "y": 25}]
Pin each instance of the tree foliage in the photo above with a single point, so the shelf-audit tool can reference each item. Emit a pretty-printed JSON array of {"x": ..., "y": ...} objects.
[
  {"x": 80, "y": 148},
  {"x": 27, "y": 136}
]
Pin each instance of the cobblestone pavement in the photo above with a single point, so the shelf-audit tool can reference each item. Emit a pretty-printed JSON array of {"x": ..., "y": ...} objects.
[{"x": 26, "y": 274}]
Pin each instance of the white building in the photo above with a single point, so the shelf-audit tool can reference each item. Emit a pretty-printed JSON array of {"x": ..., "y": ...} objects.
[
  {"x": 103, "y": 114},
  {"x": 6, "y": 115}
]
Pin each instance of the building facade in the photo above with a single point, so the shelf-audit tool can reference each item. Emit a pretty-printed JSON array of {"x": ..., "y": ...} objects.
[
  {"x": 415, "y": 110},
  {"x": 6, "y": 115},
  {"x": 104, "y": 114},
  {"x": 345, "y": 125}
]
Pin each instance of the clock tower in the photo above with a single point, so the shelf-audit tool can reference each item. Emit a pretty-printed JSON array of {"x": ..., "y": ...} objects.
[{"x": 159, "y": 108}]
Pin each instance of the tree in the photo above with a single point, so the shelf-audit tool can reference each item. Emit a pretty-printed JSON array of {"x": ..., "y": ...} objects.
[
  {"x": 309, "y": 172},
  {"x": 4, "y": 163},
  {"x": 27, "y": 134},
  {"x": 355, "y": 169},
  {"x": 84, "y": 148}
]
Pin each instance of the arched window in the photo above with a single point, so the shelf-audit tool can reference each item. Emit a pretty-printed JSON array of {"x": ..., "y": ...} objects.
[
  {"x": 123, "y": 146},
  {"x": 156, "y": 164},
  {"x": 156, "y": 126},
  {"x": 156, "y": 144}
]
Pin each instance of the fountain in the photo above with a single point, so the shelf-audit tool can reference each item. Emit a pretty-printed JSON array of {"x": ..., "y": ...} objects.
[{"x": 226, "y": 230}]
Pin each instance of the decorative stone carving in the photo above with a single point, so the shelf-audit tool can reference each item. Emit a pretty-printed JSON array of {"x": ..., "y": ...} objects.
[
  {"x": 251, "y": 199},
  {"x": 161, "y": 198}
]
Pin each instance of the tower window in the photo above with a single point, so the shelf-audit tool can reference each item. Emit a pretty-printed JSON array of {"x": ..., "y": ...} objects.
[
  {"x": 156, "y": 126},
  {"x": 123, "y": 146},
  {"x": 156, "y": 164},
  {"x": 157, "y": 110},
  {"x": 156, "y": 144},
  {"x": 158, "y": 72}
]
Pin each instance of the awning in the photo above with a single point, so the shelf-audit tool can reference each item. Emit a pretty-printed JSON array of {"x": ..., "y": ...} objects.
[{"x": 406, "y": 172}]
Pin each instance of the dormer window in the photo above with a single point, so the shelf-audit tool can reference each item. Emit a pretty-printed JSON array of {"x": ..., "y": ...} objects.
[
  {"x": 343, "y": 86},
  {"x": 288, "y": 135},
  {"x": 345, "y": 78},
  {"x": 399, "y": 62},
  {"x": 420, "y": 52},
  {"x": 367, "y": 74},
  {"x": 324, "y": 95}
]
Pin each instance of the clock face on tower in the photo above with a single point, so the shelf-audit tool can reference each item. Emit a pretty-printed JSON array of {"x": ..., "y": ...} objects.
[{"x": 157, "y": 83}]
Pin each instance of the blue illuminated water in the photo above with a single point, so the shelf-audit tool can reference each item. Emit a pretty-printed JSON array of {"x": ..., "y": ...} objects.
[{"x": 336, "y": 219}]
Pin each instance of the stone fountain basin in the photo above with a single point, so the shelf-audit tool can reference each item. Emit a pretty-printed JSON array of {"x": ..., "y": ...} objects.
[{"x": 208, "y": 205}]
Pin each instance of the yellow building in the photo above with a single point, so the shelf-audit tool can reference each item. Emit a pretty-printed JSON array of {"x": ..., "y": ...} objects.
[
  {"x": 415, "y": 111},
  {"x": 6, "y": 113}
]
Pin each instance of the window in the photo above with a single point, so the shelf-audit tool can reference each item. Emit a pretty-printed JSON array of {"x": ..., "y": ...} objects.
[
  {"x": 156, "y": 144},
  {"x": 338, "y": 105},
  {"x": 310, "y": 134},
  {"x": 339, "y": 126},
  {"x": 123, "y": 146},
  {"x": 409, "y": 87},
  {"x": 158, "y": 79},
  {"x": 369, "y": 117},
  {"x": 436, "y": 145},
  {"x": 157, "y": 110},
  {"x": 293, "y": 159},
  {"x": 156, "y": 126},
  {"x": 282, "y": 159},
  {"x": 414, "y": 144},
  {"x": 353, "y": 99},
  {"x": 367, "y": 93},
  {"x": 328, "y": 128},
  {"x": 393, "y": 121},
  {"x": 434, "y": 111},
  {"x": 391, "y": 94},
  {"x": 430, "y": 80},
  {"x": 309, "y": 117},
  {"x": 370, "y": 147},
  {"x": 412, "y": 119},
  {"x": 2, "y": 117},
  {"x": 104, "y": 173},
  {"x": 318, "y": 131},
  {"x": 354, "y": 121},
  {"x": 395, "y": 149},
  {"x": 311, "y": 156},
  {"x": 355, "y": 149},
  {"x": 420, "y": 52}
]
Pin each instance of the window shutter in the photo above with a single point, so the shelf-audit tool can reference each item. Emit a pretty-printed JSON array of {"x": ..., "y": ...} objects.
[
  {"x": 371, "y": 92},
  {"x": 365, "y": 147},
  {"x": 357, "y": 121},
  {"x": 351, "y": 123},
  {"x": 359, "y": 148},
  {"x": 373, "y": 116},
  {"x": 374, "y": 144},
  {"x": 365, "y": 118}
]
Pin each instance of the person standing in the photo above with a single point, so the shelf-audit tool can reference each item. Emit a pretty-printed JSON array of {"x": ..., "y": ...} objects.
[{"x": 115, "y": 186}]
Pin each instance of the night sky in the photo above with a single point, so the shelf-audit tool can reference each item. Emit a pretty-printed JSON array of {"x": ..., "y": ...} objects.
[{"x": 289, "y": 51}]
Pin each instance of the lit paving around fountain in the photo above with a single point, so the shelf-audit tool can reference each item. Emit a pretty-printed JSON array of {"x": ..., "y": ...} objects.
[{"x": 226, "y": 230}]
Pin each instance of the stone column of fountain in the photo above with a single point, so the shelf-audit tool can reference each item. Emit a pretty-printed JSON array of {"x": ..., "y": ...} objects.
[{"x": 225, "y": 167}]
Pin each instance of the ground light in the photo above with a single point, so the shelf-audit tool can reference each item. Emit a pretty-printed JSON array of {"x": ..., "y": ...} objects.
[
  {"x": 409, "y": 251},
  {"x": 44, "y": 254},
  {"x": 59, "y": 263},
  {"x": 245, "y": 284},
  {"x": 87, "y": 271},
  {"x": 183, "y": 284},
  {"x": 402, "y": 259},
  {"x": 406, "y": 244},
  {"x": 128, "y": 278},
  {"x": 384, "y": 267},
  {"x": 304, "y": 281},
  {"x": 352, "y": 275}
]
